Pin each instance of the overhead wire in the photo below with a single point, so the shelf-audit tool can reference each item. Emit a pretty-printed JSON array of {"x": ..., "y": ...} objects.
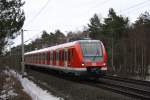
[
  {"x": 35, "y": 16},
  {"x": 38, "y": 13},
  {"x": 102, "y": 3},
  {"x": 133, "y": 6}
]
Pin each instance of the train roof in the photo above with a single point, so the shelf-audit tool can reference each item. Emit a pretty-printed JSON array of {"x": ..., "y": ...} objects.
[{"x": 65, "y": 45}]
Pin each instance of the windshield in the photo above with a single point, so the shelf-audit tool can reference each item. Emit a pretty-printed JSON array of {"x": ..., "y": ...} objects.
[{"x": 91, "y": 50}]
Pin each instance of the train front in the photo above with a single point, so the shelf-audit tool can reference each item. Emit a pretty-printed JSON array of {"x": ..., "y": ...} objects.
[{"x": 94, "y": 57}]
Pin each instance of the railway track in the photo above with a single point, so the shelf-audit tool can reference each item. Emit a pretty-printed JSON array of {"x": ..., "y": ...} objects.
[
  {"x": 134, "y": 88},
  {"x": 129, "y": 80}
]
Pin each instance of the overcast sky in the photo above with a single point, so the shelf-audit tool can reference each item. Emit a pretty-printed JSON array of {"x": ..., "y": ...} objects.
[{"x": 73, "y": 15}]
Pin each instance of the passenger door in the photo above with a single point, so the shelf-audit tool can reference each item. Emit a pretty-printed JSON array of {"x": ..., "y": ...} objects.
[
  {"x": 51, "y": 57},
  {"x": 66, "y": 57},
  {"x": 57, "y": 57}
]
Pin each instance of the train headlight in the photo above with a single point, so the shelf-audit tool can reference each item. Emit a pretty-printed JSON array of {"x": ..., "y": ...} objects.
[
  {"x": 104, "y": 64},
  {"x": 82, "y": 64}
]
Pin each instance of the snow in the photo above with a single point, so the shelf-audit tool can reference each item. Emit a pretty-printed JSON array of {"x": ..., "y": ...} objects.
[
  {"x": 33, "y": 90},
  {"x": 7, "y": 89},
  {"x": 6, "y": 94}
]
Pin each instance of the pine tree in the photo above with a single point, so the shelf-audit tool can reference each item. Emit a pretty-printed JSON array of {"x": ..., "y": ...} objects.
[
  {"x": 115, "y": 26},
  {"x": 11, "y": 20},
  {"x": 95, "y": 27}
]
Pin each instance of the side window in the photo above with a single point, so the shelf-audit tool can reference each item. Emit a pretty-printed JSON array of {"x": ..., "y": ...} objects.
[
  {"x": 39, "y": 57},
  {"x": 47, "y": 56},
  {"x": 60, "y": 56},
  {"x": 32, "y": 57},
  {"x": 63, "y": 55},
  {"x": 43, "y": 56},
  {"x": 54, "y": 55},
  {"x": 35, "y": 57},
  {"x": 57, "y": 55},
  {"x": 29, "y": 58},
  {"x": 51, "y": 55},
  {"x": 69, "y": 53}
]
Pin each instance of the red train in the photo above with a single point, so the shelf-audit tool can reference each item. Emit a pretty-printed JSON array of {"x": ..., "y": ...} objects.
[{"x": 80, "y": 57}]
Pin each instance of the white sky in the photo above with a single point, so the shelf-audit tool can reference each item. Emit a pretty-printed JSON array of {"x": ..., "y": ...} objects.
[{"x": 72, "y": 15}]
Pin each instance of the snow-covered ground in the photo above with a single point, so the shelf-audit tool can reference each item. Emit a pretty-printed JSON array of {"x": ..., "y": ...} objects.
[
  {"x": 7, "y": 89},
  {"x": 32, "y": 89}
]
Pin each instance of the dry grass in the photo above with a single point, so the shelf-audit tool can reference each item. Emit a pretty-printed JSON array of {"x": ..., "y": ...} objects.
[{"x": 11, "y": 88}]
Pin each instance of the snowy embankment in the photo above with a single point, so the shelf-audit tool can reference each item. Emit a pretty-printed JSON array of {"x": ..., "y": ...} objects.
[{"x": 33, "y": 90}]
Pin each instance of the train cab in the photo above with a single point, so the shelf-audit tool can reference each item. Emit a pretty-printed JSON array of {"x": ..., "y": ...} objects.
[{"x": 94, "y": 56}]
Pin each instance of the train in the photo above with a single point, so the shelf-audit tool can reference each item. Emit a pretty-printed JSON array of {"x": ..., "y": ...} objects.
[{"x": 80, "y": 57}]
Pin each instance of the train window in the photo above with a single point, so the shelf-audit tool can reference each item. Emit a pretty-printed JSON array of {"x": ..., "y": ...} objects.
[
  {"x": 51, "y": 55},
  {"x": 29, "y": 58},
  {"x": 47, "y": 56},
  {"x": 62, "y": 55},
  {"x": 57, "y": 55},
  {"x": 32, "y": 57},
  {"x": 43, "y": 56},
  {"x": 69, "y": 55},
  {"x": 54, "y": 56},
  {"x": 36, "y": 58},
  {"x": 65, "y": 55},
  {"x": 39, "y": 57}
]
